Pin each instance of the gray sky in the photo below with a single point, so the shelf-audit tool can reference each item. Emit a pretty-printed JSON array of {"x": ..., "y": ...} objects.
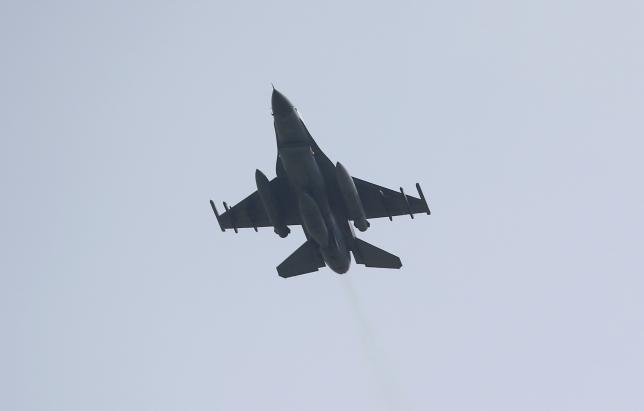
[{"x": 523, "y": 121}]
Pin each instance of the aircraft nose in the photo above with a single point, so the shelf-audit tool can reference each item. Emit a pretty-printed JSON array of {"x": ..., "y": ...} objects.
[{"x": 280, "y": 103}]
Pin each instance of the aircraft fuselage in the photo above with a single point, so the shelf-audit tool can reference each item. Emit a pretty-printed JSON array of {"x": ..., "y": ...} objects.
[{"x": 311, "y": 177}]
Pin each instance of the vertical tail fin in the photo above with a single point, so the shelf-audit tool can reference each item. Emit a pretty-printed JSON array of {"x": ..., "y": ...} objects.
[{"x": 372, "y": 256}]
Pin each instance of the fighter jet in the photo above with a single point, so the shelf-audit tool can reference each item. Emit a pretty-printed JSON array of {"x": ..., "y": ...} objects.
[{"x": 312, "y": 192}]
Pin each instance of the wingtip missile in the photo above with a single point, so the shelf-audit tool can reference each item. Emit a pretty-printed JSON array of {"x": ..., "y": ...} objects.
[
  {"x": 214, "y": 209},
  {"x": 422, "y": 197}
]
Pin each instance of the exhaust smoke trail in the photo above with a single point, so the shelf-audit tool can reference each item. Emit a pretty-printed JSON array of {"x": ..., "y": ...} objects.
[{"x": 382, "y": 375}]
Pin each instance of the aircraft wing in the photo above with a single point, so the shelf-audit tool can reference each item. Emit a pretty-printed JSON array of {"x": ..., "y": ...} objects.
[
  {"x": 383, "y": 202},
  {"x": 250, "y": 212}
]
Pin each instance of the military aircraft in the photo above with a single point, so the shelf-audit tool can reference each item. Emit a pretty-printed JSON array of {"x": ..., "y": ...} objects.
[{"x": 322, "y": 197}]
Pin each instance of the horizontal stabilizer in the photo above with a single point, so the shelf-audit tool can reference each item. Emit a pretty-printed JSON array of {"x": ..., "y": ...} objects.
[
  {"x": 305, "y": 259},
  {"x": 372, "y": 256}
]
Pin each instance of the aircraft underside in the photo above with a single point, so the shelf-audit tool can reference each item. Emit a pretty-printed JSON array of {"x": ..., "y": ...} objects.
[{"x": 322, "y": 197}]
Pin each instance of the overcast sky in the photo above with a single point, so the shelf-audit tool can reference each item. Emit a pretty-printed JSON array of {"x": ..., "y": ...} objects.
[{"x": 524, "y": 122}]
